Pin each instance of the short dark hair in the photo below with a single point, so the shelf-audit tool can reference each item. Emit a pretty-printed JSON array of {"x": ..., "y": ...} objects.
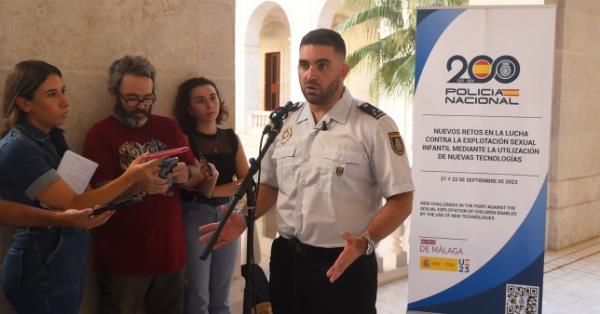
[
  {"x": 325, "y": 37},
  {"x": 182, "y": 103}
]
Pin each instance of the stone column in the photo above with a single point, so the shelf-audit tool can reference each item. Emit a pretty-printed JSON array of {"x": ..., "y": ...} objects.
[{"x": 574, "y": 179}]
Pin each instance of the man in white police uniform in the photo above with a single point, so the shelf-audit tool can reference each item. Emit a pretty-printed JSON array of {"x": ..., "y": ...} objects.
[{"x": 329, "y": 169}]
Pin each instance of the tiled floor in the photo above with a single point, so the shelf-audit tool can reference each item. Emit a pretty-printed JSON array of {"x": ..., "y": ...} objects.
[
  {"x": 571, "y": 284},
  {"x": 572, "y": 280}
]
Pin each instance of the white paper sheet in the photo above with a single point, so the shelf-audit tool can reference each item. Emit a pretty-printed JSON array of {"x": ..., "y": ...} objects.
[{"x": 76, "y": 170}]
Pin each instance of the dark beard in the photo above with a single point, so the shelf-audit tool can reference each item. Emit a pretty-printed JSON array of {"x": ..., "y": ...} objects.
[
  {"x": 127, "y": 117},
  {"x": 326, "y": 96}
]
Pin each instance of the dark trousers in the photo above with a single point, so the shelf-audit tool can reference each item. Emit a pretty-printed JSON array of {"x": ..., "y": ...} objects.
[
  {"x": 299, "y": 284},
  {"x": 151, "y": 294}
]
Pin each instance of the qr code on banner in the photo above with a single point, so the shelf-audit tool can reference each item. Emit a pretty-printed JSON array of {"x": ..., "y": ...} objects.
[{"x": 521, "y": 299}]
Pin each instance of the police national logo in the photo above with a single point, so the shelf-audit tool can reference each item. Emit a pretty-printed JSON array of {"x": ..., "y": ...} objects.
[
  {"x": 507, "y": 70},
  {"x": 396, "y": 142},
  {"x": 479, "y": 71}
]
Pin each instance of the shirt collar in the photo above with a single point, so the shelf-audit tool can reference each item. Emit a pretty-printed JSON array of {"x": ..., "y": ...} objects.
[
  {"x": 35, "y": 133},
  {"x": 304, "y": 114},
  {"x": 339, "y": 112}
]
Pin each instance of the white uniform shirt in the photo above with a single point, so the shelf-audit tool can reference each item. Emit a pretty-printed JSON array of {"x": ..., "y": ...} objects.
[{"x": 334, "y": 180}]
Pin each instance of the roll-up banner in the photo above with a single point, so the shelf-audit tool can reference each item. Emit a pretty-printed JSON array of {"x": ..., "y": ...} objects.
[{"x": 481, "y": 156}]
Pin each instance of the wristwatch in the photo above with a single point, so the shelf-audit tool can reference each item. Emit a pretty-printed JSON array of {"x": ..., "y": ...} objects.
[{"x": 370, "y": 243}]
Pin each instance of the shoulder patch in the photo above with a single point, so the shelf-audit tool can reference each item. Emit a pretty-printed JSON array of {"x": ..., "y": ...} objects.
[
  {"x": 371, "y": 110},
  {"x": 396, "y": 142}
]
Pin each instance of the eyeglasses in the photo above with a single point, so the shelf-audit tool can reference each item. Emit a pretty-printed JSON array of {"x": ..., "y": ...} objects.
[{"x": 132, "y": 101}]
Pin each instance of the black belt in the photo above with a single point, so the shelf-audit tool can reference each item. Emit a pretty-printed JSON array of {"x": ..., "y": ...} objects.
[{"x": 310, "y": 251}]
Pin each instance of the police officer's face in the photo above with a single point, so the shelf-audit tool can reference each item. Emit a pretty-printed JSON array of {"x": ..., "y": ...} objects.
[{"x": 321, "y": 72}]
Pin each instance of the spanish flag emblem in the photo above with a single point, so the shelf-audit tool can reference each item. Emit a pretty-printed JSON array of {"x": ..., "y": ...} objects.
[
  {"x": 508, "y": 92},
  {"x": 482, "y": 69}
]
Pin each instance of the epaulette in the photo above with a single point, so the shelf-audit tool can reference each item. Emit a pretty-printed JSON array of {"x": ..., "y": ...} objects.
[{"x": 371, "y": 110}]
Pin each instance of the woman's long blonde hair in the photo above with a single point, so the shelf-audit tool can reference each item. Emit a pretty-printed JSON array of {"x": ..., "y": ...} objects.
[{"x": 23, "y": 81}]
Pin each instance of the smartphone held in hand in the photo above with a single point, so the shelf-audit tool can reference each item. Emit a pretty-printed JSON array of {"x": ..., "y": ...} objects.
[
  {"x": 167, "y": 165},
  {"x": 168, "y": 152},
  {"x": 118, "y": 204}
]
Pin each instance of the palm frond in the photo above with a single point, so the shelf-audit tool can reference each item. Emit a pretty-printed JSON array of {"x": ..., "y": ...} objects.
[
  {"x": 392, "y": 56},
  {"x": 378, "y": 13},
  {"x": 394, "y": 77},
  {"x": 388, "y": 47}
]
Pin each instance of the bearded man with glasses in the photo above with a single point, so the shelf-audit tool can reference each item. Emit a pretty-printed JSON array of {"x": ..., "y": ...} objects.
[
  {"x": 140, "y": 257},
  {"x": 133, "y": 109}
]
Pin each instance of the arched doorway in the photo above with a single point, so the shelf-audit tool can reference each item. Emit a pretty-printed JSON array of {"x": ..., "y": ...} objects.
[{"x": 262, "y": 69}]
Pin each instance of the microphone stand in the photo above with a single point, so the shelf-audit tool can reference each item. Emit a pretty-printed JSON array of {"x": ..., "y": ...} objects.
[{"x": 248, "y": 187}]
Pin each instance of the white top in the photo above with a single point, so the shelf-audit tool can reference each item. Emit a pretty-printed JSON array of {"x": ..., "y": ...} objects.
[{"x": 334, "y": 180}]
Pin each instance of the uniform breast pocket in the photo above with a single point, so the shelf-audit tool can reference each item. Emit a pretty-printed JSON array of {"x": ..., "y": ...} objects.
[
  {"x": 344, "y": 171},
  {"x": 286, "y": 169}
]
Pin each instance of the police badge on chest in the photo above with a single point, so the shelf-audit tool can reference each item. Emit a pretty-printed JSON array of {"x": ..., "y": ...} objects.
[{"x": 286, "y": 134}]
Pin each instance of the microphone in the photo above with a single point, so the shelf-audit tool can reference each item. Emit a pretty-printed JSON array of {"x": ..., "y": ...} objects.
[
  {"x": 324, "y": 126},
  {"x": 279, "y": 114}
]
